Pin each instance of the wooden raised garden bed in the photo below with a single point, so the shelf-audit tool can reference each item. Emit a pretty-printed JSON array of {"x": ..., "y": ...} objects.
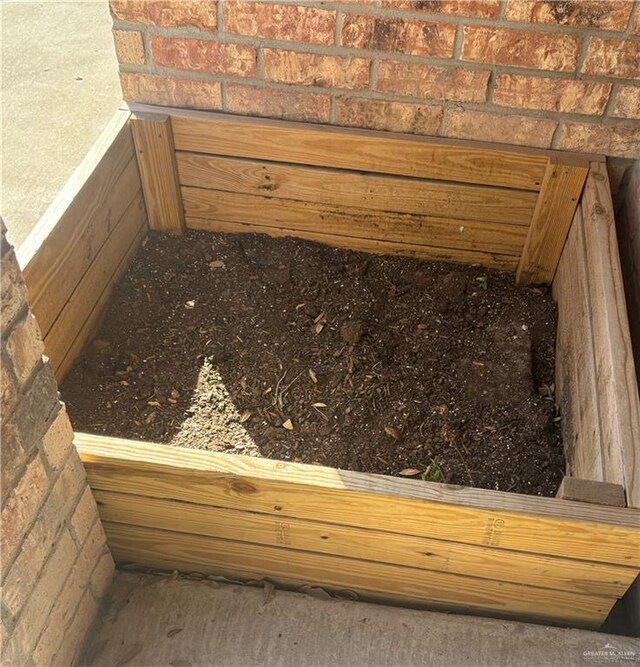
[{"x": 545, "y": 216}]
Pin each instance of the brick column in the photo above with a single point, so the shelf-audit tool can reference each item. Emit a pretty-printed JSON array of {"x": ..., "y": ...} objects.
[{"x": 55, "y": 564}]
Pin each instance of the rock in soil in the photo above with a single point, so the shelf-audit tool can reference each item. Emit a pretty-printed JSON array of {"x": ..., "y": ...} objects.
[{"x": 344, "y": 347}]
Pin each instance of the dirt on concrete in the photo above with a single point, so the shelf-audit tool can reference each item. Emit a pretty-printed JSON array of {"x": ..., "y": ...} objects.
[{"x": 292, "y": 350}]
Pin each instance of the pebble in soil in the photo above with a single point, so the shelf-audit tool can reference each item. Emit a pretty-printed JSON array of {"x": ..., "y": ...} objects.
[{"x": 292, "y": 350}]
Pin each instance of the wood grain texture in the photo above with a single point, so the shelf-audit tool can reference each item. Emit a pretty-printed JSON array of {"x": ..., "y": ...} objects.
[
  {"x": 346, "y": 189},
  {"x": 70, "y": 234},
  {"x": 374, "y": 545},
  {"x": 156, "y": 159},
  {"x": 165, "y": 549},
  {"x": 576, "y": 383},
  {"x": 552, "y": 218},
  {"x": 588, "y": 491},
  {"x": 357, "y": 150},
  {"x": 480, "y": 517},
  {"x": 619, "y": 405}
]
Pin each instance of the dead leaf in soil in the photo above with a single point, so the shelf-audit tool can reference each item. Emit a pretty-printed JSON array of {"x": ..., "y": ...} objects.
[
  {"x": 154, "y": 404},
  {"x": 393, "y": 433},
  {"x": 319, "y": 405},
  {"x": 315, "y": 592},
  {"x": 319, "y": 327},
  {"x": 190, "y": 304},
  {"x": 245, "y": 416},
  {"x": 409, "y": 472},
  {"x": 313, "y": 376},
  {"x": 174, "y": 631},
  {"x": 288, "y": 425},
  {"x": 216, "y": 264},
  {"x": 321, "y": 318}
]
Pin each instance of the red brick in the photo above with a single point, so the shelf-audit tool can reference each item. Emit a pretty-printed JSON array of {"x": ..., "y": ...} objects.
[
  {"x": 171, "y": 91},
  {"x": 129, "y": 47},
  {"x": 285, "y": 22},
  {"x": 566, "y": 95},
  {"x": 278, "y": 103},
  {"x": 388, "y": 116},
  {"x": 613, "y": 57},
  {"x": 484, "y": 126},
  {"x": 312, "y": 69},
  {"x": 440, "y": 83},
  {"x": 417, "y": 38},
  {"x": 486, "y": 9},
  {"x": 198, "y": 55},
  {"x": 13, "y": 295},
  {"x": 628, "y": 102},
  {"x": 602, "y": 14},
  {"x": 25, "y": 348},
  {"x": 618, "y": 140},
  {"x": 167, "y": 13},
  {"x": 520, "y": 48}
]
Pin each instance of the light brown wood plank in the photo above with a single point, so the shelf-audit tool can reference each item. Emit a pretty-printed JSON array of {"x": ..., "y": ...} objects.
[
  {"x": 576, "y": 385},
  {"x": 64, "y": 243},
  {"x": 92, "y": 322},
  {"x": 80, "y": 305},
  {"x": 157, "y": 162},
  {"x": 340, "y": 189},
  {"x": 619, "y": 406},
  {"x": 373, "y": 545},
  {"x": 500, "y": 262},
  {"x": 552, "y": 218},
  {"x": 472, "y": 516},
  {"x": 357, "y": 150}
]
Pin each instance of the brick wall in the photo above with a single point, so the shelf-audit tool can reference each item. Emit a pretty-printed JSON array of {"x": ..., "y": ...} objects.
[
  {"x": 563, "y": 74},
  {"x": 54, "y": 560}
]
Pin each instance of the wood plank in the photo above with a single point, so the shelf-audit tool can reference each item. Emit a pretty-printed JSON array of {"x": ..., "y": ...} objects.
[
  {"x": 346, "y": 189},
  {"x": 64, "y": 243},
  {"x": 357, "y": 150},
  {"x": 494, "y": 261},
  {"x": 552, "y": 218},
  {"x": 619, "y": 405},
  {"x": 576, "y": 385},
  {"x": 490, "y": 237},
  {"x": 438, "y": 511},
  {"x": 165, "y": 549},
  {"x": 99, "y": 275},
  {"x": 374, "y": 545},
  {"x": 99, "y": 309},
  {"x": 588, "y": 491},
  {"x": 157, "y": 162}
]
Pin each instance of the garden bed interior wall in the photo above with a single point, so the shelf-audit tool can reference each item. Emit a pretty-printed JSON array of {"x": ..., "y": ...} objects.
[{"x": 388, "y": 539}]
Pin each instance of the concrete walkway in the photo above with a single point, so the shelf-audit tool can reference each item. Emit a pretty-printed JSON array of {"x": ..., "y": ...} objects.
[
  {"x": 59, "y": 88},
  {"x": 154, "y": 621}
]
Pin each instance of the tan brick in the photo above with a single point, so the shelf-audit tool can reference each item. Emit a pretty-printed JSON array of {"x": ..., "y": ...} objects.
[
  {"x": 13, "y": 296},
  {"x": 439, "y": 83},
  {"x": 613, "y": 57},
  {"x": 627, "y": 102},
  {"x": 172, "y": 91},
  {"x": 278, "y": 103},
  {"x": 312, "y": 69},
  {"x": 566, "y": 95},
  {"x": 388, "y": 116},
  {"x": 167, "y": 13},
  {"x": 484, "y": 126},
  {"x": 486, "y": 9},
  {"x": 8, "y": 389},
  {"x": 129, "y": 47},
  {"x": 520, "y": 48},
  {"x": 12, "y": 454},
  {"x": 197, "y": 55},
  {"x": 618, "y": 140},
  {"x": 57, "y": 440},
  {"x": 77, "y": 631},
  {"x": 94, "y": 545},
  {"x": 84, "y": 515},
  {"x": 20, "y": 509},
  {"x": 279, "y": 21},
  {"x": 602, "y": 14},
  {"x": 636, "y": 25},
  {"x": 102, "y": 575},
  {"x": 418, "y": 38},
  {"x": 25, "y": 348}
]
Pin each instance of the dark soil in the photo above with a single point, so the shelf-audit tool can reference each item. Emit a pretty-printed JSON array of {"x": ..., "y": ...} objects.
[{"x": 291, "y": 350}]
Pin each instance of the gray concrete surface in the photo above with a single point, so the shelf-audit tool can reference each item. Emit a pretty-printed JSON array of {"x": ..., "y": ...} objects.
[
  {"x": 155, "y": 621},
  {"x": 59, "y": 88}
]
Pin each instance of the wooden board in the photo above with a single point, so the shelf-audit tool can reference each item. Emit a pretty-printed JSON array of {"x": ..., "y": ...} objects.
[
  {"x": 555, "y": 208},
  {"x": 589, "y": 491},
  {"x": 351, "y": 190},
  {"x": 156, "y": 158},
  {"x": 357, "y": 150},
  {"x": 480, "y": 517},
  {"x": 374, "y": 545}
]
